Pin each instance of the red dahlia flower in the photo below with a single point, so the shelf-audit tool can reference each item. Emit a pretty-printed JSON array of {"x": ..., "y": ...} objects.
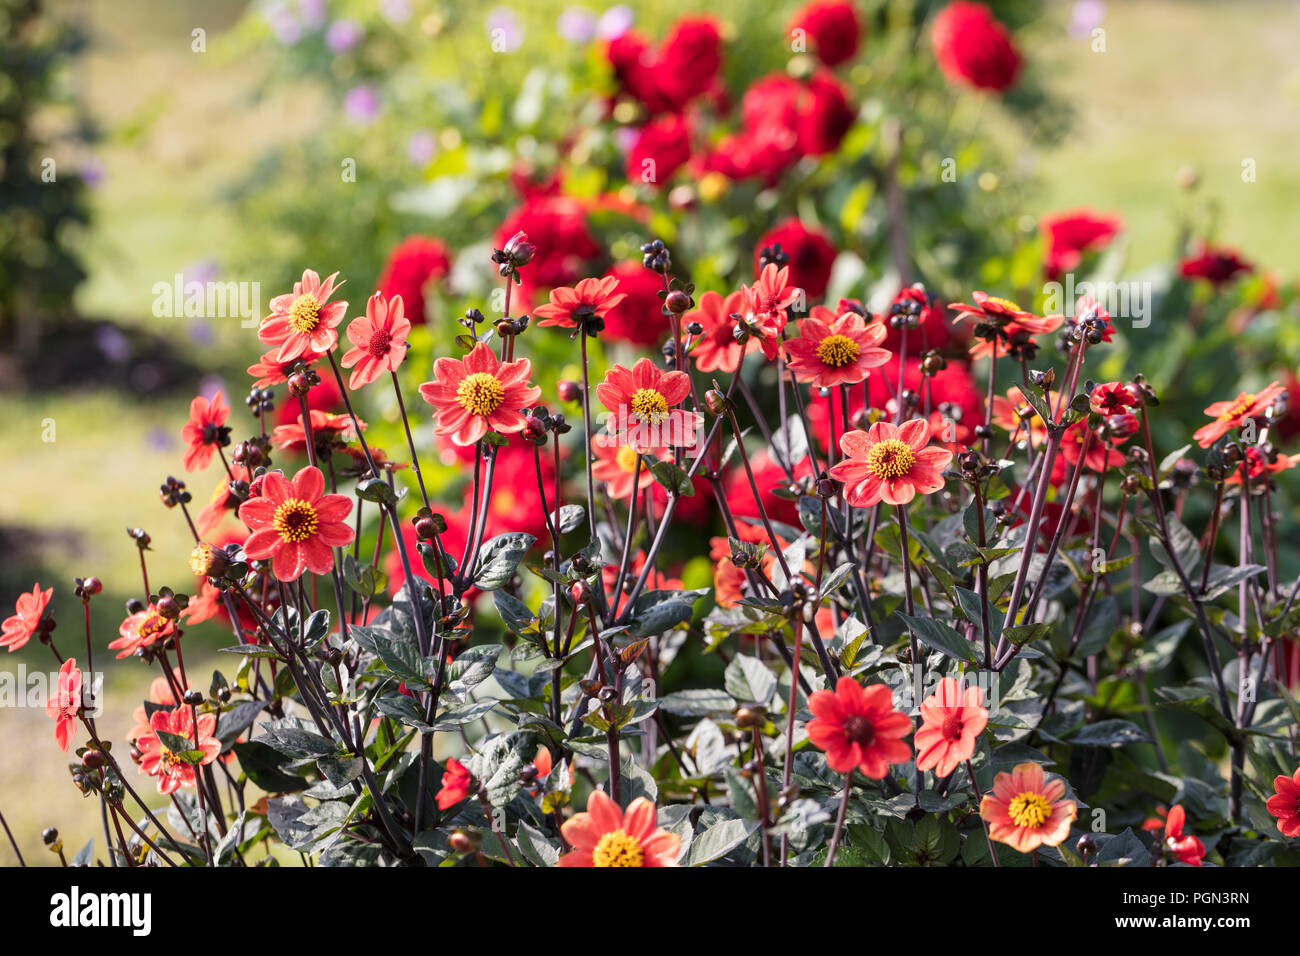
[
  {"x": 479, "y": 393},
  {"x": 833, "y": 26},
  {"x": 455, "y": 785},
  {"x": 204, "y": 432},
  {"x": 811, "y": 255},
  {"x": 1217, "y": 266},
  {"x": 574, "y": 308},
  {"x": 1113, "y": 398},
  {"x": 19, "y": 627},
  {"x": 412, "y": 265},
  {"x": 839, "y": 353},
  {"x": 1071, "y": 234},
  {"x": 638, "y": 318},
  {"x": 953, "y": 718},
  {"x": 378, "y": 340},
  {"x": 1285, "y": 803},
  {"x": 973, "y": 49},
  {"x": 662, "y": 147},
  {"x": 304, "y": 320},
  {"x": 859, "y": 728},
  {"x": 172, "y": 769},
  {"x": 64, "y": 705},
  {"x": 766, "y": 302},
  {"x": 142, "y": 629},
  {"x": 1185, "y": 847},
  {"x": 890, "y": 463},
  {"x": 715, "y": 348},
  {"x": 1235, "y": 413},
  {"x": 606, "y": 836},
  {"x": 1258, "y": 464},
  {"x": 643, "y": 399},
  {"x": 295, "y": 525},
  {"x": 557, "y": 226},
  {"x": 325, "y": 428},
  {"x": 1100, "y": 454},
  {"x": 1025, "y": 811}
]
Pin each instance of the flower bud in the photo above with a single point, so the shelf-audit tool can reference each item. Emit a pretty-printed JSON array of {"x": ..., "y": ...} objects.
[
  {"x": 209, "y": 562},
  {"x": 299, "y": 384},
  {"x": 715, "y": 401},
  {"x": 568, "y": 391},
  {"x": 463, "y": 841},
  {"x": 677, "y": 302}
]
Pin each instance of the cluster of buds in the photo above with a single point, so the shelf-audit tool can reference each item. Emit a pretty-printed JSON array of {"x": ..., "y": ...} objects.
[
  {"x": 656, "y": 257},
  {"x": 1088, "y": 327},
  {"x": 905, "y": 312},
  {"x": 539, "y": 421},
  {"x": 932, "y": 363},
  {"x": 173, "y": 493},
  {"x": 1142, "y": 388},
  {"x": 974, "y": 467},
  {"x": 516, "y": 254},
  {"x": 252, "y": 453},
  {"x": 140, "y": 537},
  {"x": 472, "y": 319},
  {"x": 260, "y": 400},
  {"x": 772, "y": 255}
]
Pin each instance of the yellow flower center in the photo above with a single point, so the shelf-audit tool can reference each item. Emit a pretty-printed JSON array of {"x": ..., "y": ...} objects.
[
  {"x": 891, "y": 458},
  {"x": 626, "y": 458},
  {"x": 616, "y": 848},
  {"x": 304, "y": 314},
  {"x": 295, "y": 520},
  {"x": 1005, "y": 303},
  {"x": 152, "y": 623},
  {"x": 837, "y": 351},
  {"x": 1237, "y": 408},
  {"x": 480, "y": 393},
  {"x": 650, "y": 405},
  {"x": 1029, "y": 810}
]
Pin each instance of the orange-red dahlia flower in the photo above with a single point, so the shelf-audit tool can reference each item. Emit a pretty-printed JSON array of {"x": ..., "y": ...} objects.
[
  {"x": 606, "y": 836},
  {"x": 890, "y": 463},
  {"x": 204, "y": 432},
  {"x": 1258, "y": 464},
  {"x": 1235, "y": 413},
  {"x": 614, "y": 462},
  {"x": 142, "y": 629},
  {"x": 172, "y": 769},
  {"x": 1185, "y": 847},
  {"x": 1285, "y": 803},
  {"x": 715, "y": 348},
  {"x": 765, "y": 305},
  {"x": 859, "y": 728},
  {"x": 1025, "y": 811},
  {"x": 304, "y": 320},
  {"x": 64, "y": 704},
  {"x": 378, "y": 340},
  {"x": 19, "y": 627},
  {"x": 295, "y": 525},
  {"x": 952, "y": 720},
  {"x": 455, "y": 785},
  {"x": 643, "y": 398},
  {"x": 578, "y": 307},
  {"x": 840, "y": 352},
  {"x": 479, "y": 393}
]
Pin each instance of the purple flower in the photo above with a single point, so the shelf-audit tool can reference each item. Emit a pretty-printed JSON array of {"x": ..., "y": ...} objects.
[
  {"x": 361, "y": 103},
  {"x": 113, "y": 343},
  {"x": 92, "y": 172},
  {"x": 1086, "y": 16},
  {"x": 614, "y": 22},
  {"x": 421, "y": 147},
  {"x": 159, "y": 439},
  {"x": 311, "y": 12},
  {"x": 577, "y": 25},
  {"x": 504, "y": 30},
  {"x": 343, "y": 35}
]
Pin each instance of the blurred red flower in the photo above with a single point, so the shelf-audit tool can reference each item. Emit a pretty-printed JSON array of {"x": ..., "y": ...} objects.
[
  {"x": 662, "y": 147},
  {"x": 19, "y": 627},
  {"x": 811, "y": 255},
  {"x": 638, "y": 318},
  {"x": 974, "y": 49},
  {"x": 1071, "y": 234},
  {"x": 832, "y": 25},
  {"x": 412, "y": 265}
]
